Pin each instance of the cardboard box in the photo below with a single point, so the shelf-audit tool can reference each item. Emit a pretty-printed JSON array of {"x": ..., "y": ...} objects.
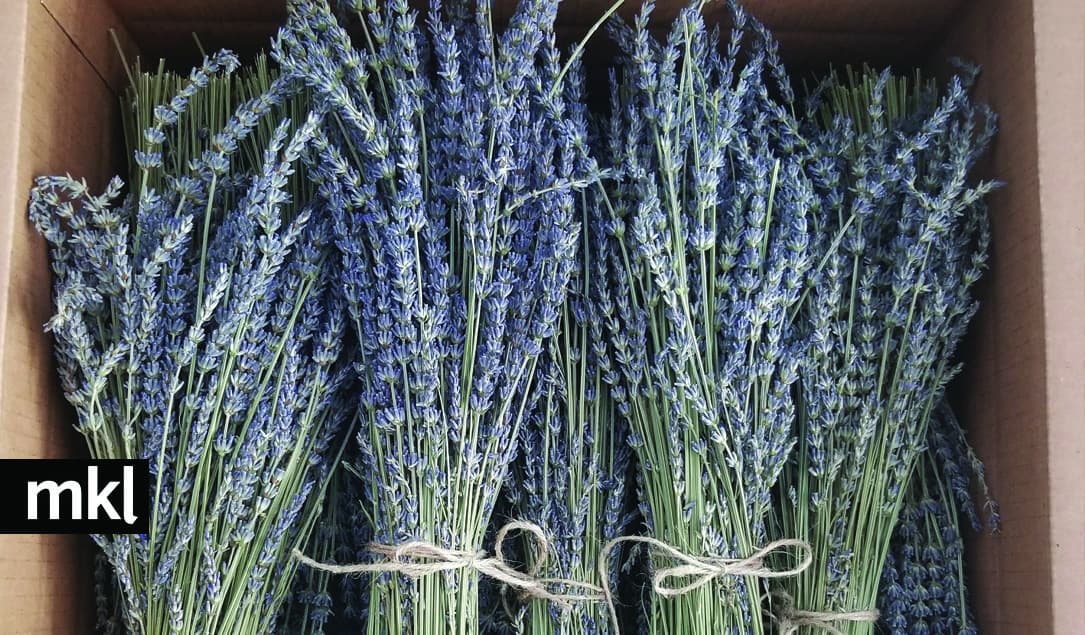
[{"x": 1022, "y": 396}]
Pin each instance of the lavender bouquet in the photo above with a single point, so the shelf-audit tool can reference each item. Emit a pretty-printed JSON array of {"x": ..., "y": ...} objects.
[
  {"x": 575, "y": 456},
  {"x": 195, "y": 328},
  {"x": 900, "y": 237},
  {"x": 707, "y": 257},
  {"x": 458, "y": 164}
]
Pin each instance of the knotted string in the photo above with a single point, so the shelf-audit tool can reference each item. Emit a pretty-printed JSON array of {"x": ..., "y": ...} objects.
[
  {"x": 791, "y": 619},
  {"x": 700, "y": 570},
  {"x": 418, "y": 558}
]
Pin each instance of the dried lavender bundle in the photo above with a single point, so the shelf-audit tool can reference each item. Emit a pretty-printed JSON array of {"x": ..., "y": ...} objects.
[
  {"x": 708, "y": 253},
  {"x": 575, "y": 463},
  {"x": 900, "y": 237},
  {"x": 575, "y": 457},
  {"x": 923, "y": 583},
  {"x": 458, "y": 236},
  {"x": 195, "y": 327}
]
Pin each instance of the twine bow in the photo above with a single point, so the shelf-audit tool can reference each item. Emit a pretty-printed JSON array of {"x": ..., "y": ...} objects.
[
  {"x": 418, "y": 558},
  {"x": 791, "y": 619},
  {"x": 700, "y": 570}
]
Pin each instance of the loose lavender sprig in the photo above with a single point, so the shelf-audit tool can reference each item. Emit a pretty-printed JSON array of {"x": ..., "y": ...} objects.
[
  {"x": 708, "y": 252},
  {"x": 458, "y": 236},
  {"x": 196, "y": 327},
  {"x": 900, "y": 237}
]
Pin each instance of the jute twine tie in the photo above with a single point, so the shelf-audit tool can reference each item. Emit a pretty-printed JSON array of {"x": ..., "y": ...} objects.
[
  {"x": 698, "y": 571},
  {"x": 790, "y": 619},
  {"x": 419, "y": 558}
]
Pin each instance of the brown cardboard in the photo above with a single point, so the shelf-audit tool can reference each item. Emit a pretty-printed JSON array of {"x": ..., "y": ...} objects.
[
  {"x": 1060, "y": 90},
  {"x": 60, "y": 116},
  {"x": 897, "y": 30},
  {"x": 1002, "y": 400},
  {"x": 1023, "y": 392}
]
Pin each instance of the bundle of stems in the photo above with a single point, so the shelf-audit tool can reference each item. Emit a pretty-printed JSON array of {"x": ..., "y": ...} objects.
[
  {"x": 195, "y": 327},
  {"x": 458, "y": 166},
  {"x": 923, "y": 584},
  {"x": 899, "y": 237},
  {"x": 575, "y": 456},
  {"x": 205, "y": 114},
  {"x": 707, "y": 255}
]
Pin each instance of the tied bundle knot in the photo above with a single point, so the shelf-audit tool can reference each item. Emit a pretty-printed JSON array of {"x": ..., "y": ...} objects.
[
  {"x": 418, "y": 558},
  {"x": 698, "y": 571},
  {"x": 790, "y": 619}
]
